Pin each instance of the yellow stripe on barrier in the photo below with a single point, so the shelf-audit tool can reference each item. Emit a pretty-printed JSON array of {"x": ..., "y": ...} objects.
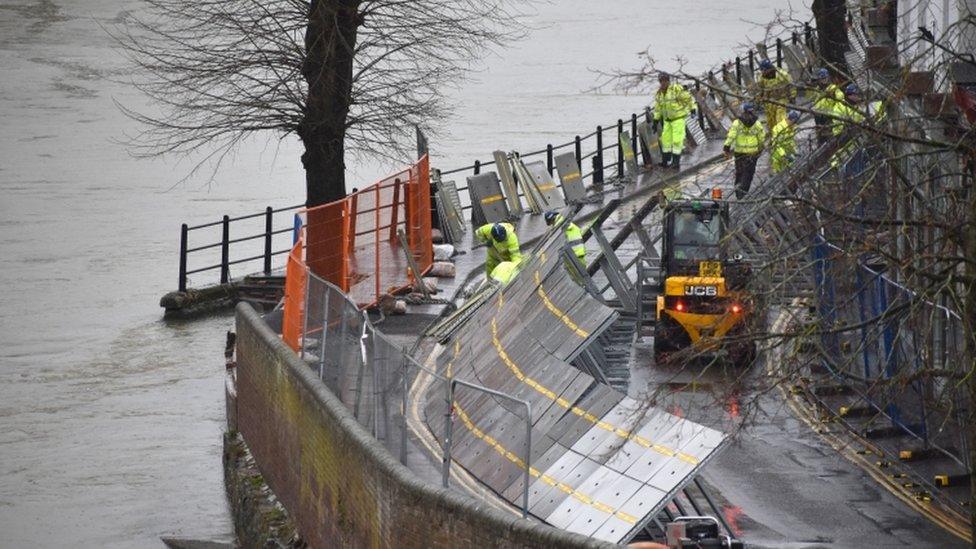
[
  {"x": 535, "y": 473},
  {"x": 583, "y": 334},
  {"x": 538, "y": 387},
  {"x": 492, "y": 198},
  {"x": 547, "y": 187},
  {"x": 571, "y": 176}
]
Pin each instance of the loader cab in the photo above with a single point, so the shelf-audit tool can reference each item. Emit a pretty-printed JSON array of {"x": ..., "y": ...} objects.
[{"x": 694, "y": 236}]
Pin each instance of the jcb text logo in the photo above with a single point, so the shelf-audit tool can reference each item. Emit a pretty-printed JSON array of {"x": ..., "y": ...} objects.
[{"x": 701, "y": 290}]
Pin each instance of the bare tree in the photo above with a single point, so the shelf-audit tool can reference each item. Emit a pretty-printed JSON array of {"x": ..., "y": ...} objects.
[{"x": 343, "y": 75}]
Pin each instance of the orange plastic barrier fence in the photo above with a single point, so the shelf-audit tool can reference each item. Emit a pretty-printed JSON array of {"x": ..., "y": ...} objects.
[
  {"x": 296, "y": 280},
  {"x": 353, "y": 242}
]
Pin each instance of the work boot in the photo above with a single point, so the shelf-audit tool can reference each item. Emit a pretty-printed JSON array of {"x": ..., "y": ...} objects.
[
  {"x": 675, "y": 162},
  {"x": 665, "y": 160}
]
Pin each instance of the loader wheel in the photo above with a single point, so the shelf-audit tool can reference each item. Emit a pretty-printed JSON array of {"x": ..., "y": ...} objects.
[{"x": 669, "y": 337}]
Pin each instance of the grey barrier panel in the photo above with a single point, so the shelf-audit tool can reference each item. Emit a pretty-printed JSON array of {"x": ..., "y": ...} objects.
[
  {"x": 727, "y": 103},
  {"x": 508, "y": 182},
  {"x": 651, "y": 142},
  {"x": 544, "y": 185},
  {"x": 570, "y": 177},
  {"x": 576, "y": 423},
  {"x": 796, "y": 61},
  {"x": 630, "y": 158},
  {"x": 487, "y": 194},
  {"x": 715, "y": 119},
  {"x": 695, "y": 133},
  {"x": 748, "y": 77}
]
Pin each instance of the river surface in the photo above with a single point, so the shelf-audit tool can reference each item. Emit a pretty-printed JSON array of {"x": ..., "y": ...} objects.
[{"x": 111, "y": 417}]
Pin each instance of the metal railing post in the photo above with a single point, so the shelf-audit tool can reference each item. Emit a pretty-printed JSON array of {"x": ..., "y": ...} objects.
[
  {"x": 808, "y": 34},
  {"x": 779, "y": 52},
  {"x": 633, "y": 133},
  {"x": 620, "y": 148},
  {"x": 738, "y": 70},
  {"x": 225, "y": 251},
  {"x": 477, "y": 167},
  {"x": 268, "y": 230},
  {"x": 579, "y": 152},
  {"x": 550, "y": 165},
  {"x": 183, "y": 237},
  {"x": 795, "y": 37},
  {"x": 597, "y": 171},
  {"x": 752, "y": 62},
  {"x": 598, "y": 159}
]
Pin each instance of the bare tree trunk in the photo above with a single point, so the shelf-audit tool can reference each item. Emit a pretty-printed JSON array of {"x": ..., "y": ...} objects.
[
  {"x": 831, "y": 16},
  {"x": 330, "y": 42}
]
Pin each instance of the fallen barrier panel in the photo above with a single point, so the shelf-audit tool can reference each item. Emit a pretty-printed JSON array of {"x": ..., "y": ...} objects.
[{"x": 603, "y": 465}]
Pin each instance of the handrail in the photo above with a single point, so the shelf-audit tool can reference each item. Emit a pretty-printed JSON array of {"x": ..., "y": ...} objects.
[{"x": 599, "y": 161}]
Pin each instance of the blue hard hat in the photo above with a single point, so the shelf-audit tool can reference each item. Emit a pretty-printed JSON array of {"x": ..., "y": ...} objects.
[
  {"x": 748, "y": 107},
  {"x": 852, "y": 89},
  {"x": 550, "y": 217},
  {"x": 793, "y": 116},
  {"x": 498, "y": 232},
  {"x": 823, "y": 73},
  {"x": 765, "y": 64}
]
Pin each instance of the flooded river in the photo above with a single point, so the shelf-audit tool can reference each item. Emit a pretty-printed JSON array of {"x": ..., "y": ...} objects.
[{"x": 110, "y": 417}]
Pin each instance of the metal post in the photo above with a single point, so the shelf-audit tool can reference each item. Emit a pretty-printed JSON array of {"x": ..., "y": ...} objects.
[
  {"x": 550, "y": 165},
  {"x": 633, "y": 133},
  {"x": 225, "y": 252},
  {"x": 597, "y": 171},
  {"x": 808, "y": 34},
  {"x": 183, "y": 235},
  {"x": 579, "y": 152},
  {"x": 701, "y": 108},
  {"x": 795, "y": 37},
  {"x": 395, "y": 214},
  {"x": 598, "y": 158},
  {"x": 448, "y": 428},
  {"x": 779, "y": 52},
  {"x": 752, "y": 62},
  {"x": 405, "y": 374},
  {"x": 738, "y": 70},
  {"x": 620, "y": 148},
  {"x": 268, "y": 229},
  {"x": 477, "y": 167},
  {"x": 301, "y": 353},
  {"x": 325, "y": 330}
]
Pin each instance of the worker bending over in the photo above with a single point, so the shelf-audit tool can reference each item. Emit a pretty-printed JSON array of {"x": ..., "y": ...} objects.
[
  {"x": 503, "y": 244},
  {"x": 776, "y": 90},
  {"x": 745, "y": 139},
  {"x": 574, "y": 235},
  {"x": 672, "y": 105},
  {"x": 827, "y": 96},
  {"x": 783, "y": 142}
]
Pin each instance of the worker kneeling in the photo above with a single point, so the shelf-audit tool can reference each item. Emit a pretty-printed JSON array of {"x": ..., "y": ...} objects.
[
  {"x": 503, "y": 244},
  {"x": 574, "y": 235},
  {"x": 746, "y": 138},
  {"x": 783, "y": 148}
]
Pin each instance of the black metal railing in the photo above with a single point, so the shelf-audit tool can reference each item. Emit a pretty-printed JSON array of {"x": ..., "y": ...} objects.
[
  {"x": 225, "y": 242},
  {"x": 599, "y": 158}
]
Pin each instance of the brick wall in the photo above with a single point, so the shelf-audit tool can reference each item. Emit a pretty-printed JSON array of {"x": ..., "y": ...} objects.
[{"x": 342, "y": 488}]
